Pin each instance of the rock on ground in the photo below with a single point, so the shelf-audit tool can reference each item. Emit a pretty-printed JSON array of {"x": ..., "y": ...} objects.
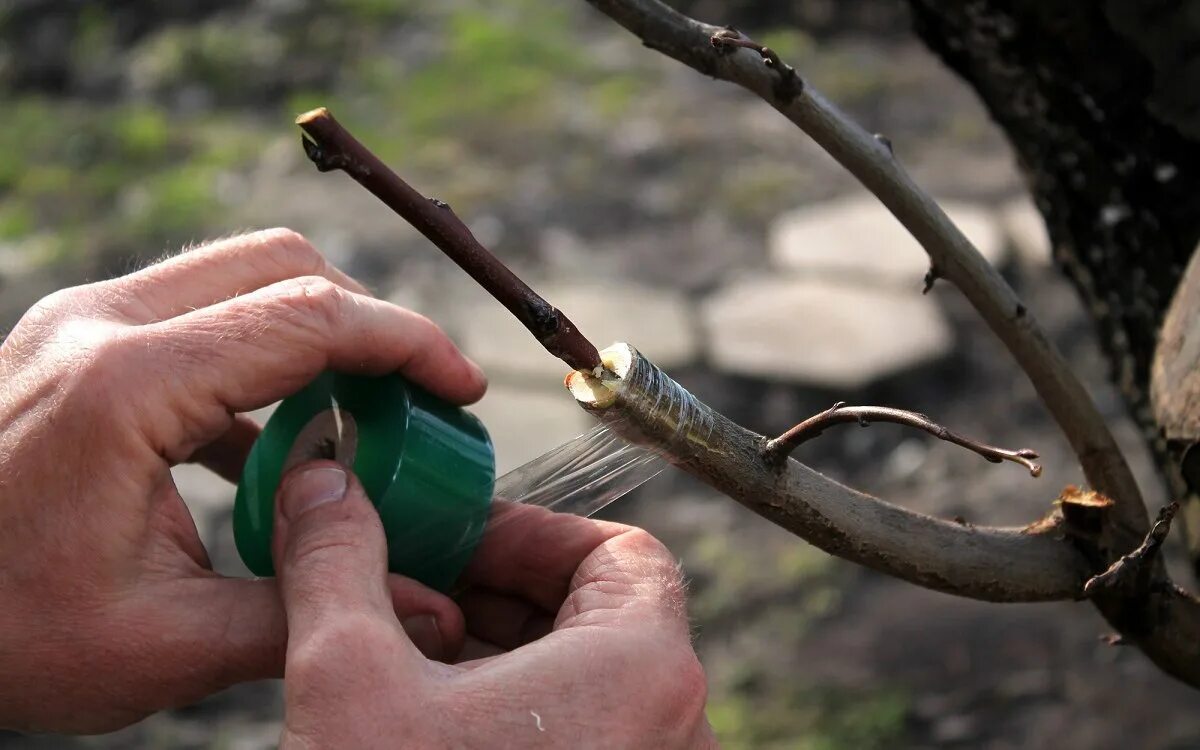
[
  {"x": 657, "y": 321},
  {"x": 856, "y": 237},
  {"x": 1026, "y": 232},
  {"x": 821, "y": 331}
]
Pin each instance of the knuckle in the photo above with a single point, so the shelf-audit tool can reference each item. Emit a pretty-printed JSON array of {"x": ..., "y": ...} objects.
[
  {"x": 290, "y": 251},
  {"x": 339, "y": 644},
  {"x": 57, "y": 305},
  {"x": 685, "y": 691},
  {"x": 328, "y": 542},
  {"x": 313, "y": 296}
]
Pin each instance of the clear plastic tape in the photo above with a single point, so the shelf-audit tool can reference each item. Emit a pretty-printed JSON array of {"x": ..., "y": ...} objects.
[
  {"x": 581, "y": 476},
  {"x": 597, "y": 468},
  {"x": 668, "y": 414}
]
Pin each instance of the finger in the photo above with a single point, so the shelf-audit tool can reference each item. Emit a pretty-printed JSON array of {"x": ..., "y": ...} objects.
[
  {"x": 431, "y": 620},
  {"x": 630, "y": 578},
  {"x": 221, "y": 270},
  {"x": 252, "y": 350},
  {"x": 501, "y": 620},
  {"x": 226, "y": 456},
  {"x": 533, "y": 552},
  {"x": 331, "y": 560}
]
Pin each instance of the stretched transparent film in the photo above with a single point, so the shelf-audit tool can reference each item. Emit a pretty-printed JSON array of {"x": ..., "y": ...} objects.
[
  {"x": 595, "y": 469},
  {"x": 581, "y": 476}
]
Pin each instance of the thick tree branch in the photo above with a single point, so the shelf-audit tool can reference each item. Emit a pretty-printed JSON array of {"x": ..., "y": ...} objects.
[
  {"x": 333, "y": 147},
  {"x": 776, "y": 449},
  {"x": 1048, "y": 560},
  {"x": 953, "y": 256},
  {"x": 993, "y": 564}
]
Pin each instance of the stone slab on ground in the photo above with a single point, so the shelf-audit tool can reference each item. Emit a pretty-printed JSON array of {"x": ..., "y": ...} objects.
[
  {"x": 821, "y": 331},
  {"x": 1025, "y": 231},
  {"x": 659, "y": 322},
  {"x": 856, "y": 237}
]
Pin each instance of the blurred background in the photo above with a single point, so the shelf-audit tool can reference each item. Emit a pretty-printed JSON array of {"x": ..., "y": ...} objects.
[{"x": 655, "y": 206}]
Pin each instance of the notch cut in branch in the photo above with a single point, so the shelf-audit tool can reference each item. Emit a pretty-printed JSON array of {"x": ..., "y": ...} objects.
[
  {"x": 330, "y": 146},
  {"x": 1134, "y": 571},
  {"x": 777, "y": 449}
]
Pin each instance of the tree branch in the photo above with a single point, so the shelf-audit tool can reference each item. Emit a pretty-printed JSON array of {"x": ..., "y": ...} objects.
[
  {"x": 1163, "y": 623},
  {"x": 333, "y": 147},
  {"x": 776, "y": 449},
  {"x": 646, "y": 407},
  {"x": 955, "y": 259},
  {"x": 1041, "y": 562},
  {"x": 1134, "y": 572}
]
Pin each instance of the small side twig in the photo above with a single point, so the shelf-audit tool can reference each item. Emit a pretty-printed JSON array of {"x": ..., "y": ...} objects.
[
  {"x": 1134, "y": 570},
  {"x": 330, "y": 146},
  {"x": 931, "y": 276},
  {"x": 777, "y": 449},
  {"x": 791, "y": 85}
]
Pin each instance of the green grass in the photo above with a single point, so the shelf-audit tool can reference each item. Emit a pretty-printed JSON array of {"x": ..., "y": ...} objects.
[{"x": 809, "y": 719}]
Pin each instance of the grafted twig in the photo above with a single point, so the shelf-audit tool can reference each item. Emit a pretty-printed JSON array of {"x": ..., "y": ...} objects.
[
  {"x": 333, "y": 147},
  {"x": 1133, "y": 572},
  {"x": 777, "y": 449}
]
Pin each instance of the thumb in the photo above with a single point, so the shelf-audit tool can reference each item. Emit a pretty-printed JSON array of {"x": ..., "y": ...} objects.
[{"x": 331, "y": 560}]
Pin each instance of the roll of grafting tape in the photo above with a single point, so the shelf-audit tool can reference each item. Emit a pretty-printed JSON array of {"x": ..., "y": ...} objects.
[{"x": 427, "y": 466}]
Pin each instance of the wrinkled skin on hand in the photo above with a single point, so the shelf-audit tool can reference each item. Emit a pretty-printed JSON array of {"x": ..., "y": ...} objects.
[
  {"x": 108, "y": 607},
  {"x": 577, "y": 634},
  {"x": 575, "y": 630}
]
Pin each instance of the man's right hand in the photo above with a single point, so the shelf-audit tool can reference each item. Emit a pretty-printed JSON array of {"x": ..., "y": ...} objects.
[{"x": 585, "y": 620}]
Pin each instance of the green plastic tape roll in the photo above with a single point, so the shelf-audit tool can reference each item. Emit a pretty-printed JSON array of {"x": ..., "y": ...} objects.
[{"x": 427, "y": 466}]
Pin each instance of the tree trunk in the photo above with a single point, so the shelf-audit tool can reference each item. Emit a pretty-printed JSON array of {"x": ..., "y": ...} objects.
[{"x": 1101, "y": 101}]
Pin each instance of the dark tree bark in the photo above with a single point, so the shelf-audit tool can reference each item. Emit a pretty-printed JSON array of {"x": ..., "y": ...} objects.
[{"x": 1101, "y": 101}]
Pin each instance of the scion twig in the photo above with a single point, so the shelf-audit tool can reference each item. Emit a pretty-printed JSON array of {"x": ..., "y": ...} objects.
[
  {"x": 777, "y": 449},
  {"x": 330, "y": 146}
]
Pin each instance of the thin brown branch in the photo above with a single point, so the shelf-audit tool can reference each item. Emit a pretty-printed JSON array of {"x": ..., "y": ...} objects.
[
  {"x": 776, "y": 449},
  {"x": 994, "y": 564},
  {"x": 873, "y": 162},
  {"x": 1133, "y": 572},
  {"x": 330, "y": 146}
]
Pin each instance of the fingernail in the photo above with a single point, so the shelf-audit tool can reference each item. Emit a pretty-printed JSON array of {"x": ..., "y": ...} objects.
[
  {"x": 423, "y": 631},
  {"x": 311, "y": 488}
]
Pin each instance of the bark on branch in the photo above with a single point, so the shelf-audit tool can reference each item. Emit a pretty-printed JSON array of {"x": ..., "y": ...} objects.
[
  {"x": 330, "y": 146},
  {"x": 994, "y": 564},
  {"x": 871, "y": 160},
  {"x": 1134, "y": 572},
  {"x": 1164, "y": 622}
]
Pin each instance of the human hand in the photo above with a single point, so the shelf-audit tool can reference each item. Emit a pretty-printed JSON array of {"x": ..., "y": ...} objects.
[
  {"x": 586, "y": 621},
  {"x": 109, "y": 609}
]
